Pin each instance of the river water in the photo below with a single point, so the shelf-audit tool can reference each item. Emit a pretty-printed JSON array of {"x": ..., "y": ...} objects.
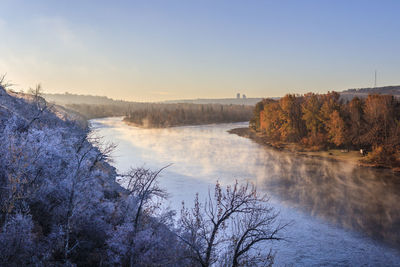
[{"x": 340, "y": 214}]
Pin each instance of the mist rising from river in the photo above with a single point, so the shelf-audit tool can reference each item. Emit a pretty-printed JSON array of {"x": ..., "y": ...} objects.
[
  {"x": 321, "y": 197},
  {"x": 356, "y": 198}
]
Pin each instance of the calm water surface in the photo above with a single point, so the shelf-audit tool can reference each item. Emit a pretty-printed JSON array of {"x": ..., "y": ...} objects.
[{"x": 342, "y": 215}]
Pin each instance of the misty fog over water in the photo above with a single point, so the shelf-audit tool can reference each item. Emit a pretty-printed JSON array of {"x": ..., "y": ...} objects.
[{"x": 340, "y": 214}]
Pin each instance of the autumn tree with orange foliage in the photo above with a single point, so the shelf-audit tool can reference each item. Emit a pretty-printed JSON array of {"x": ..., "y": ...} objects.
[
  {"x": 291, "y": 116},
  {"x": 320, "y": 121}
]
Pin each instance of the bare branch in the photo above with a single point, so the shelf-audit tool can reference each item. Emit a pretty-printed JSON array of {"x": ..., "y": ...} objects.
[{"x": 236, "y": 217}]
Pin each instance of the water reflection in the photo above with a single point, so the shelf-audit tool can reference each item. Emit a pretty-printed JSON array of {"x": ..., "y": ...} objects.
[{"x": 358, "y": 198}]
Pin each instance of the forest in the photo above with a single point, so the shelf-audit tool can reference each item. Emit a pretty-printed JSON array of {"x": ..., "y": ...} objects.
[
  {"x": 168, "y": 115},
  {"x": 158, "y": 115},
  {"x": 93, "y": 111},
  {"x": 322, "y": 121}
]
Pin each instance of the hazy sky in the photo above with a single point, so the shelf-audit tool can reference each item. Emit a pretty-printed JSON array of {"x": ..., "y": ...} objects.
[{"x": 156, "y": 50}]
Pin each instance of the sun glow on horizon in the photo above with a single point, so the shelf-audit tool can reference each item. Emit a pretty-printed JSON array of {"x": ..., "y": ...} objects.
[{"x": 153, "y": 51}]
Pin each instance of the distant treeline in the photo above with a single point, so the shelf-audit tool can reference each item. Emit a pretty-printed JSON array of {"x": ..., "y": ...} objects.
[
  {"x": 93, "y": 111},
  {"x": 167, "y": 115},
  {"x": 159, "y": 115},
  {"x": 364, "y": 92},
  {"x": 392, "y": 90},
  {"x": 320, "y": 121}
]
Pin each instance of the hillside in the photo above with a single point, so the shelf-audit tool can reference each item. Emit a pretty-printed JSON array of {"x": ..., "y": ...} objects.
[
  {"x": 59, "y": 199},
  {"x": 67, "y": 99},
  {"x": 364, "y": 92},
  {"x": 222, "y": 101}
]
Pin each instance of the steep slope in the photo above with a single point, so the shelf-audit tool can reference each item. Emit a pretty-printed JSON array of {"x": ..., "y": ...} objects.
[{"x": 59, "y": 199}]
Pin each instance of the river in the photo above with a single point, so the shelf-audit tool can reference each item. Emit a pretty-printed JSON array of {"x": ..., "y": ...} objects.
[{"x": 340, "y": 214}]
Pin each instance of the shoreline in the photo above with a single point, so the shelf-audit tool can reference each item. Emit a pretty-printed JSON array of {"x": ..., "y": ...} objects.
[
  {"x": 178, "y": 125},
  {"x": 352, "y": 156}
]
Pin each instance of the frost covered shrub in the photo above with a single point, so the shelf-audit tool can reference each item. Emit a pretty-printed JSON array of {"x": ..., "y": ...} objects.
[
  {"x": 17, "y": 244},
  {"x": 59, "y": 201},
  {"x": 154, "y": 245},
  {"x": 141, "y": 238}
]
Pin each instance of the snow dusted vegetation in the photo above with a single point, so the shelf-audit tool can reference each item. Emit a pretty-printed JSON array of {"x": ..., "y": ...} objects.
[
  {"x": 59, "y": 200},
  {"x": 61, "y": 204}
]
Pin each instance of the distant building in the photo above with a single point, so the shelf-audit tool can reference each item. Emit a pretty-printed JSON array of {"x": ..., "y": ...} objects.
[
  {"x": 244, "y": 96},
  {"x": 238, "y": 95}
]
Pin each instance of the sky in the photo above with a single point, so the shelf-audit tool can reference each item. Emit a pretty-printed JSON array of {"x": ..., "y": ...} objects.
[{"x": 158, "y": 50}]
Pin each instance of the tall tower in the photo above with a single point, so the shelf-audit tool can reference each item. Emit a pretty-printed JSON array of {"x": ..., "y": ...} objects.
[{"x": 375, "y": 82}]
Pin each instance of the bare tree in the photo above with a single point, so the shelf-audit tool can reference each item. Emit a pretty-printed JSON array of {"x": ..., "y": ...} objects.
[
  {"x": 3, "y": 83},
  {"x": 228, "y": 226},
  {"x": 142, "y": 184},
  {"x": 81, "y": 153},
  {"x": 250, "y": 229},
  {"x": 105, "y": 150},
  {"x": 87, "y": 157},
  {"x": 41, "y": 107}
]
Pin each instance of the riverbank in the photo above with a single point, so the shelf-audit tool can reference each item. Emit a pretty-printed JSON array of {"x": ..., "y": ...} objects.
[
  {"x": 148, "y": 126},
  {"x": 352, "y": 156}
]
